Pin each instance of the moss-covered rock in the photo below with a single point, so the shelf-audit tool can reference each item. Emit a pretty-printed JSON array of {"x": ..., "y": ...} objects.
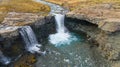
[{"x": 25, "y": 61}]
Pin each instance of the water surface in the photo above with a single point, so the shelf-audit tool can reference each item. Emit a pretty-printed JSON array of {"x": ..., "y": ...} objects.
[{"x": 76, "y": 54}]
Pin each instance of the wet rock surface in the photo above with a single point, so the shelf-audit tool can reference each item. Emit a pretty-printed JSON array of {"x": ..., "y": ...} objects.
[{"x": 10, "y": 40}]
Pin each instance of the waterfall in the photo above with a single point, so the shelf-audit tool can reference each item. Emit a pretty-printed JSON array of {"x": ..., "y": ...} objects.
[
  {"x": 30, "y": 39},
  {"x": 3, "y": 59},
  {"x": 62, "y": 36},
  {"x": 60, "y": 23}
]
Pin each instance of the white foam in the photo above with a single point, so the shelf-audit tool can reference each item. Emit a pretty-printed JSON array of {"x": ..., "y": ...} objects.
[
  {"x": 7, "y": 61},
  {"x": 62, "y": 37},
  {"x": 59, "y": 39},
  {"x": 3, "y": 59},
  {"x": 35, "y": 48}
]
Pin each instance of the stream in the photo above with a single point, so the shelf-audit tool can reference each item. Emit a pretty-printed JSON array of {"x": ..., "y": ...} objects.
[{"x": 54, "y": 7}]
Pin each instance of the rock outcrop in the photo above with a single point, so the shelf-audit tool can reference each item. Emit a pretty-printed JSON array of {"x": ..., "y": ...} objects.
[
  {"x": 103, "y": 15},
  {"x": 9, "y": 27},
  {"x": 9, "y": 31},
  {"x": 107, "y": 30},
  {"x": 21, "y": 19}
]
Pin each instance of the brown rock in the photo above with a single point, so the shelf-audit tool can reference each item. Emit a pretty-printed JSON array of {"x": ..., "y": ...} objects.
[
  {"x": 102, "y": 15},
  {"x": 9, "y": 31},
  {"x": 13, "y": 21},
  {"x": 21, "y": 19}
]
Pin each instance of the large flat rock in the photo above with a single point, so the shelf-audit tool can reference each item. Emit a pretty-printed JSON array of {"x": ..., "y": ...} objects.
[
  {"x": 104, "y": 15},
  {"x": 9, "y": 31},
  {"x": 21, "y": 19}
]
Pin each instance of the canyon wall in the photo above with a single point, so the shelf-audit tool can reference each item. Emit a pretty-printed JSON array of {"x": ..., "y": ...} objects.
[{"x": 107, "y": 30}]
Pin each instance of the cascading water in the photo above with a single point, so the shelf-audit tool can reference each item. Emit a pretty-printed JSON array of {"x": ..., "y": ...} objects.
[
  {"x": 3, "y": 59},
  {"x": 62, "y": 36},
  {"x": 60, "y": 23},
  {"x": 30, "y": 39}
]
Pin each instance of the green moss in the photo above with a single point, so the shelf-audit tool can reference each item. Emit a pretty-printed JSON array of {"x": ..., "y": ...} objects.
[{"x": 25, "y": 61}]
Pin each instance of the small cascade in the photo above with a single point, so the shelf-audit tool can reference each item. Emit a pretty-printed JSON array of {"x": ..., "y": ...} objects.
[
  {"x": 62, "y": 36},
  {"x": 60, "y": 23},
  {"x": 3, "y": 59},
  {"x": 30, "y": 39}
]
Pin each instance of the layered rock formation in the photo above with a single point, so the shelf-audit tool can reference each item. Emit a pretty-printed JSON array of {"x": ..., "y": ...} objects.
[
  {"x": 106, "y": 17},
  {"x": 9, "y": 33},
  {"x": 103, "y": 15},
  {"x": 9, "y": 27}
]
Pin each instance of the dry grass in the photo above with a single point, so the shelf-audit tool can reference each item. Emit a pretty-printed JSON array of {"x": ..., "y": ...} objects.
[
  {"x": 74, "y": 4},
  {"x": 23, "y": 6},
  {"x": 27, "y": 6},
  {"x": 2, "y": 15}
]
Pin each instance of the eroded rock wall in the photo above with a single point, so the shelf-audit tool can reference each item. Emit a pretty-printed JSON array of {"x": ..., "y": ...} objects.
[
  {"x": 9, "y": 27},
  {"x": 106, "y": 16},
  {"x": 108, "y": 42}
]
